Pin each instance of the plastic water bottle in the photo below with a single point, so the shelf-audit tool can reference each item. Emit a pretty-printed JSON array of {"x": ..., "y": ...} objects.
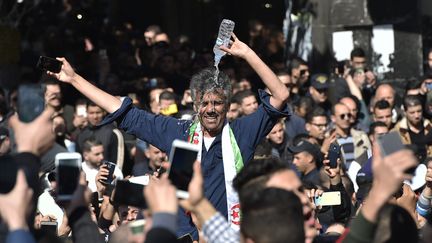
[{"x": 223, "y": 39}]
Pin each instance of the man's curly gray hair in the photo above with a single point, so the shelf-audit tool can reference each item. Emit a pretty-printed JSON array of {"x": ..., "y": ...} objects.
[{"x": 205, "y": 82}]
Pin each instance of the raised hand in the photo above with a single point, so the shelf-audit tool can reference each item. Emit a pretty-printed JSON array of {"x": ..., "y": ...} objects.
[
  {"x": 15, "y": 204},
  {"x": 161, "y": 195},
  {"x": 237, "y": 48},
  {"x": 101, "y": 176},
  {"x": 66, "y": 74},
  {"x": 35, "y": 137}
]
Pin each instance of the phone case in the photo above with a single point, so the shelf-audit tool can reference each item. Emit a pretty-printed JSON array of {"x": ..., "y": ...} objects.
[{"x": 333, "y": 154}]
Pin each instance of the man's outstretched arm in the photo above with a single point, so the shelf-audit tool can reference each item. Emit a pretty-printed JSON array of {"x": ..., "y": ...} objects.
[{"x": 108, "y": 102}]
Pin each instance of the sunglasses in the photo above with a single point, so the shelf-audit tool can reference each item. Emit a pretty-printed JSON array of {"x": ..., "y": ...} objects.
[
  {"x": 321, "y": 91},
  {"x": 344, "y": 116},
  {"x": 303, "y": 72}
]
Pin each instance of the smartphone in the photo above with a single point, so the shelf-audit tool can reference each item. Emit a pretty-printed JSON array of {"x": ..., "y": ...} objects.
[
  {"x": 333, "y": 154},
  {"x": 49, "y": 64},
  {"x": 31, "y": 102},
  {"x": 328, "y": 199},
  {"x": 111, "y": 167},
  {"x": 390, "y": 143},
  {"x": 130, "y": 194},
  {"x": 81, "y": 110},
  {"x": 49, "y": 226},
  {"x": 68, "y": 167},
  {"x": 182, "y": 157},
  {"x": 429, "y": 86}
]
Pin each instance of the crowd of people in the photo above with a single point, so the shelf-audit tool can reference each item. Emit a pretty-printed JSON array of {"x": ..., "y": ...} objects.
[{"x": 264, "y": 129}]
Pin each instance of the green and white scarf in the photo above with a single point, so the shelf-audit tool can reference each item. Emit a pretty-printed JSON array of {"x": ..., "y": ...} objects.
[{"x": 232, "y": 162}]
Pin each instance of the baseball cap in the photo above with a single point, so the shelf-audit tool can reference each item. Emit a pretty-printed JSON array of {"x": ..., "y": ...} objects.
[
  {"x": 305, "y": 146},
  {"x": 364, "y": 180},
  {"x": 320, "y": 81},
  {"x": 419, "y": 179}
]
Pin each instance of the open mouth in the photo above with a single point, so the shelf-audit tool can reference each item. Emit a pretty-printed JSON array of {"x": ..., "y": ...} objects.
[{"x": 210, "y": 118}]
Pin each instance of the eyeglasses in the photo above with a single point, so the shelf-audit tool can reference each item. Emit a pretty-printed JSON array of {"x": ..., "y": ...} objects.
[
  {"x": 319, "y": 125},
  {"x": 346, "y": 115}
]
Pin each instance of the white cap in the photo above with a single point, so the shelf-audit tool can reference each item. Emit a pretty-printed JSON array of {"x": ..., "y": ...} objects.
[{"x": 419, "y": 178}]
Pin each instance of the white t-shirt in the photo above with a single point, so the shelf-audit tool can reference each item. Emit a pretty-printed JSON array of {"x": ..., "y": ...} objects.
[{"x": 91, "y": 173}]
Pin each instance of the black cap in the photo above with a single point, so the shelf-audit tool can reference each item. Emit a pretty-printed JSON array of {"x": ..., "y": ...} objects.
[
  {"x": 364, "y": 180},
  {"x": 305, "y": 146},
  {"x": 320, "y": 81}
]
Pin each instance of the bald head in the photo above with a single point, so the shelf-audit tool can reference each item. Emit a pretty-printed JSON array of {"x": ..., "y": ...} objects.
[{"x": 385, "y": 92}]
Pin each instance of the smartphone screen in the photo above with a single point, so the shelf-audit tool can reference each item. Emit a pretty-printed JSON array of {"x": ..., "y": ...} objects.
[
  {"x": 31, "y": 102},
  {"x": 49, "y": 226},
  {"x": 129, "y": 194},
  {"x": 181, "y": 169},
  {"x": 328, "y": 199},
  {"x": 68, "y": 167}
]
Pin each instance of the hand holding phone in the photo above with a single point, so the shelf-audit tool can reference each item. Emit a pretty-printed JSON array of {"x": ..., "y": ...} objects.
[{"x": 111, "y": 167}]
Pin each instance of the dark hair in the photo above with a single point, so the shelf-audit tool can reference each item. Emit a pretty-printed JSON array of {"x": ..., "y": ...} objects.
[
  {"x": 90, "y": 143},
  {"x": 154, "y": 28},
  {"x": 256, "y": 168},
  {"x": 270, "y": 209},
  {"x": 374, "y": 125},
  {"x": 411, "y": 100},
  {"x": 357, "y": 52},
  {"x": 317, "y": 111},
  {"x": 295, "y": 63},
  {"x": 167, "y": 95},
  {"x": 382, "y": 104},
  {"x": 241, "y": 95},
  {"x": 263, "y": 149},
  {"x": 305, "y": 101},
  {"x": 91, "y": 103},
  {"x": 413, "y": 83},
  {"x": 281, "y": 71},
  {"x": 48, "y": 80}
]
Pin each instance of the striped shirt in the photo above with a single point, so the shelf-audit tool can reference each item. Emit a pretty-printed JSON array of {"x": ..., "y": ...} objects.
[{"x": 347, "y": 145}]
